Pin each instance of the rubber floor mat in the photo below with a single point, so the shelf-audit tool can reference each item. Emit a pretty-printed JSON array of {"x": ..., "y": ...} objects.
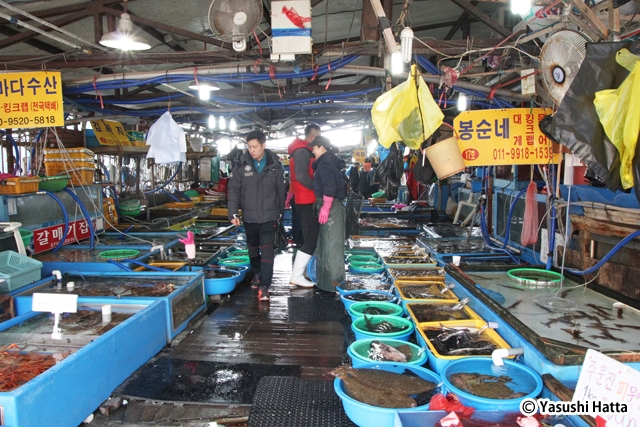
[
  {"x": 292, "y": 402},
  {"x": 200, "y": 381},
  {"x": 317, "y": 308}
]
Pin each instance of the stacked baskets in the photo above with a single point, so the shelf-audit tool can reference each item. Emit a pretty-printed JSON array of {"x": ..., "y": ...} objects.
[{"x": 79, "y": 163}]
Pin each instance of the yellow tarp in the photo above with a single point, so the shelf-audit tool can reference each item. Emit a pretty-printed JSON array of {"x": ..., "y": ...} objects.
[
  {"x": 619, "y": 112},
  {"x": 397, "y": 114}
]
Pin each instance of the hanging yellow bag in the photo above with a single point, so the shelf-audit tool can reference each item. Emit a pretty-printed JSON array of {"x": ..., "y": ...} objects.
[
  {"x": 406, "y": 113},
  {"x": 619, "y": 112}
]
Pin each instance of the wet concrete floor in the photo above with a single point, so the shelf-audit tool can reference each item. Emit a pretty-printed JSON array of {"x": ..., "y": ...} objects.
[{"x": 253, "y": 337}]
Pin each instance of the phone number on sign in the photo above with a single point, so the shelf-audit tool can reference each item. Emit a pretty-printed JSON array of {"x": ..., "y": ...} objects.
[
  {"x": 523, "y": 153},
  {"x": 25, "y": 121}
]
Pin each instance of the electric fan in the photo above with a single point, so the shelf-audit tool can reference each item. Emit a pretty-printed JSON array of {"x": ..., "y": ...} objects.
[
  {"x": 233, "y": 20},
  {"x": 560, "y": 59}
]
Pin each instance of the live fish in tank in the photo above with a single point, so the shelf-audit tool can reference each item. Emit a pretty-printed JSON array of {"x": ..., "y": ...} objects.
[
  {"x": 384, "y": 352},
  {"x": 488, "y": 386},
  {"x": 383, "y": 326}
]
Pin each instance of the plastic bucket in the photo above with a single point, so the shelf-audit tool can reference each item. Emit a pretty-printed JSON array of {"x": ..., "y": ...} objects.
[
  {"x": 390, "y": 309},
  {"x": 522, "y": 379},
  {"x": 384, "y": 297},
  {"x": 234, "y": 261},
  {"x": 359, "y": 352},
  {"x": 365, "y": 267},
  {"x": 358, "y": 327},
  {"x": 365, "y": 415},
  {"x": 363, "y": 258},
  {"x": 240, "y": 269},
  {"x": 445, "y": 157},
  {"x": 221, "y": 285},
  {"x": 238, "y": 253},
  {"x": 26, "y": 236}
]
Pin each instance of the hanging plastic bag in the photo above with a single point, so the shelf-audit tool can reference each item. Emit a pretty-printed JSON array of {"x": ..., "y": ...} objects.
[
  {"x": 167, "y": 141},
  {"x": 406, "y": 113},
  {"x": 619, "y": 113}
]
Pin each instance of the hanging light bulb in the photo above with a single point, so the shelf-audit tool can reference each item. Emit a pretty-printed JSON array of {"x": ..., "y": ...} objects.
[
  {"x": 223, "y": 123},
  {"x": 397, "y": 66},
  {"x": 406, "y": 44},
  {"x": 125, "y": 37},
  {"x": 212, "y": 121},
  {"x": 520, "y": 7},
  {"x": 203, "y": 93},
  {"x": 463, "y": 102},
  {"x": 232, "y": 124}
]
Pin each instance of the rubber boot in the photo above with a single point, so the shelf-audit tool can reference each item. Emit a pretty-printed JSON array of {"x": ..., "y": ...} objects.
[{"x": 299, "y": 265}]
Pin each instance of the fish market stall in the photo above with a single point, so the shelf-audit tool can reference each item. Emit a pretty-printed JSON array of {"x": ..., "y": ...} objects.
[
  {"x": 101, "y": 258},
  {"x": 61, "y": 382},
  {"x": 555, "y": 325},
  {"x": 182, "y": 294}
]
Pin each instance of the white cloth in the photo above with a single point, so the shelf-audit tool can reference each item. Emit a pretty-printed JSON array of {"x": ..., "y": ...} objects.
[{"x": 167, "y": 141}]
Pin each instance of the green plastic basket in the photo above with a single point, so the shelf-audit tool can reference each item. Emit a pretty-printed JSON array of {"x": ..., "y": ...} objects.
[
  {"x": 27, "y": 236},
  {"x": 235, "y": 261},
  {"x": 363, "y": 258},
  {"x": 119, "y": 254},
  {"x": 365, "y": 267},
  {"x": 535, "y": 276},
  {"x": 238, "y": 253},
  {"x": 53, "y": 183}
]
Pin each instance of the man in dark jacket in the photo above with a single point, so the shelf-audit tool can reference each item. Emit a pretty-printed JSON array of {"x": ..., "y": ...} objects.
[
  {"x": 257, "y": 187},
  {"x": 300, "y": 159}
]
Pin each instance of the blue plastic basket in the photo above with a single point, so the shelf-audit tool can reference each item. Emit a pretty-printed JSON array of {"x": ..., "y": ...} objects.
[
  {"x": 365, "y": 415},
  {"x": 523, "y": 379},
  {"x": 221, "y": 285},
  {"x": 17, "y": 270}
]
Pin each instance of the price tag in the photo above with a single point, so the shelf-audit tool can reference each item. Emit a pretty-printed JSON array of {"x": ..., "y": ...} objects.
[
  {"x": 606, "y": 380},
  {"x": 55, "y": 303}
]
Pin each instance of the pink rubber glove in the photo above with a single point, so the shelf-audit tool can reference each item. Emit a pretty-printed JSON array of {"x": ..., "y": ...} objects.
[
  {"x": 323, "y": 215},
  {"x": 287, "y": 201}
]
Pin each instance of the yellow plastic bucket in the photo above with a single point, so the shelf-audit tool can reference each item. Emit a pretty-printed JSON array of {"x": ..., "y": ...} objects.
[{"x": 445, "y": 157}]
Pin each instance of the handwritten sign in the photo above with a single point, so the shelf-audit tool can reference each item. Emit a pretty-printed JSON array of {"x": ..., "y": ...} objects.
[
  {"x": 504, "y": 137},
  {"x": 31, "y": 100},
  {"x": 110, "y": 132},
  {"x": 605, "y": 379},
  {"x": 55, "y": 303}
]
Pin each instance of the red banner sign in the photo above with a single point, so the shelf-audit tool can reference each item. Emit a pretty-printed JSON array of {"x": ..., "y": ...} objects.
[{"x": 45, "y": 239}]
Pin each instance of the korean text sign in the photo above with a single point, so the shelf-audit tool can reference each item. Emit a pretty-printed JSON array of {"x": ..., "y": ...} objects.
[
  {"x": 110, "y": 132},
  {"x": 47, "y": 238},
  {"x": 504, "y": 137},
  {"x": 31, "y": 100}
]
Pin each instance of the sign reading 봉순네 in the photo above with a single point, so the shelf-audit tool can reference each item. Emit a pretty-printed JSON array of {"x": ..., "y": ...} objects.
[
  {"x": 504, "y": 137},
  {"x": 31, "y": 100}
]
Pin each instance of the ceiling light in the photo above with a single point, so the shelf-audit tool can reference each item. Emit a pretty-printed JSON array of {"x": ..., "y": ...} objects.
[
  {"x": 222, "y": 123},
  {"x": 406, "y": 44},
  {"x": 463, "y": 103},
  {"x": 232, "y": 125},
  {"x": 198, "y": 85},
  {"x": 397, "y": 66},
  {"x": 212, "y": 121},
  {"x": 125, "y": 37}
]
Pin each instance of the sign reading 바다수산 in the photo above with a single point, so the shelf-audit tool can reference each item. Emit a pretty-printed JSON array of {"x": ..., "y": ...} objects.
[
  {"x": 31, "y": 100},
  {"x": 504, "y": 137}
]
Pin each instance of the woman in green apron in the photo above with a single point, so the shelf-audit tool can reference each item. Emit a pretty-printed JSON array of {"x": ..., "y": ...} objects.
[{"x": 330, "y": 189}]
